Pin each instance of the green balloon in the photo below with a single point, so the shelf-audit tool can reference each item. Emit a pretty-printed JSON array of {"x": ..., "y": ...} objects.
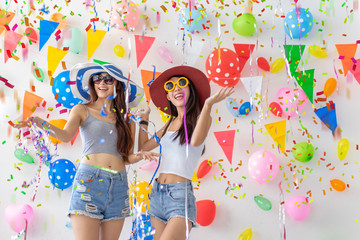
[
  {"x": 245, "y": 25},
  {"x": 39, "y": 74},
  {"x": 263, "y": 203},
  {"x": 20, "y": 154},
  {"x": 303, "y": 151},
  {"x": 75, "y": 44}
]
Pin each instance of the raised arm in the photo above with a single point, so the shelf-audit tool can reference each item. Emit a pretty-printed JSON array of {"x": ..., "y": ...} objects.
[
  {"x": 65, "y": 134},
  {"x": 204, "y": 121}
]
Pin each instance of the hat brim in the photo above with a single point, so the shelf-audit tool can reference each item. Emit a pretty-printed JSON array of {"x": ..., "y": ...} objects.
[
  {"x": 197, "y": 77},
  {"x": 81, "y": 73}
]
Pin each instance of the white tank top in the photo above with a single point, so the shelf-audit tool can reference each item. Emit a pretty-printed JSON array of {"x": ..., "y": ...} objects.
[{"x": 173, "y": 159}]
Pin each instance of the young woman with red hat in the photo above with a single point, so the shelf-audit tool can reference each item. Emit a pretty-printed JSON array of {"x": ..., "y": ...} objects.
[
  {"x": 99, "y": 201},
  {"x": 184, "y": 93}
]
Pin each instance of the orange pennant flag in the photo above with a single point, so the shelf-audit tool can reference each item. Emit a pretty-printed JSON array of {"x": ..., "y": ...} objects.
[
  {"x": 347, "y": 54},
  {"x": 5, "y": 19},
  {"x": 30, "y": 103},
  {"x": 146, "y": 77},
  {"x": 277, "y": 131}
]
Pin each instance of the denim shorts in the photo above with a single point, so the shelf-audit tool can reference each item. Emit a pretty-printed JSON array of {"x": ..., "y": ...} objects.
[
  {"x": 100, "y": 194},
  {"x": 168, "y": 201}
]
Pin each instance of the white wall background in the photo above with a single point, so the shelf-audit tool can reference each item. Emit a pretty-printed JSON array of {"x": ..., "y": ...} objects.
[{"x": 333, "y": 216}]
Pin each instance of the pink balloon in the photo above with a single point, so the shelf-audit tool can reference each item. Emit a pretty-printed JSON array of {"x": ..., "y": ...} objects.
[
  {"x": 19, "y": 216},
  {"x": 297, "y": 207},
  {"x": 165, "y": 54},
  {"x": 125, "y": 14},
  {"x": 149, "y": 165},
  {"x": 263, "y": 166},
  {"x": 291, "y": 101}
]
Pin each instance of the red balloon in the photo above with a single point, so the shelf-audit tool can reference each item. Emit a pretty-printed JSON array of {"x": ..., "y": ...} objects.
[
  {"x": 204, "y": 168},
  {"x": 205, "y": 212},
  {"x": 263, "y": 64},
  {"x": 275, "y": 109},
  {"x": 225, "y": 72}
]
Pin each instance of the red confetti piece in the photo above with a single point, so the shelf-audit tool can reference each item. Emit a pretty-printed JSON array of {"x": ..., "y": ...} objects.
[{"x": 63, "y": 111}]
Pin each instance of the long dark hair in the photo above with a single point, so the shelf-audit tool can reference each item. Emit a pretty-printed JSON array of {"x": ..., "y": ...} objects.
[
  {"x": 192, "y": 112},
  {"x": 125, "y": 141}
]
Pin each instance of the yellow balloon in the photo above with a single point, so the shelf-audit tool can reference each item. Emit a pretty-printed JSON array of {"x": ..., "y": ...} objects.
[
  {"x": 194, "y": 178},
  {"x": 277, "y": 65},
  {"x": 343, "y": 148},
  {"x": 60, "y": 123},
  {"x": 246, "y": 235},
  {"x": 317, "y": 51},
  {"x": 141, "y": 192},
  {"x": 119, "y": 51}
]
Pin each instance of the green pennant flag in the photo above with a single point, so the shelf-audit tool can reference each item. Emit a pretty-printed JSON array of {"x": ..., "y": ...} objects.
[
  {"x": 293, "y": 55},
  {"x": 306, "y": 81}
]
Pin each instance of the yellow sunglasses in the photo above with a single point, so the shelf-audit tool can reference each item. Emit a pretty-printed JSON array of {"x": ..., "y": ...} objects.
[{"x": 181, "y": 82}]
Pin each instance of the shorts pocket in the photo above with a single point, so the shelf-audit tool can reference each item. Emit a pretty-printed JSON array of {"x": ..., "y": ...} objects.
[
  {"x": 177, "y": 195},
  {"x": 85, "y": 177}
]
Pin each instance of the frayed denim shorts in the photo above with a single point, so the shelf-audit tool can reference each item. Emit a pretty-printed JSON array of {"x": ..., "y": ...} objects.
[
  {"x": 100, "y": 194},
  {"x": 168, "y": 201}
]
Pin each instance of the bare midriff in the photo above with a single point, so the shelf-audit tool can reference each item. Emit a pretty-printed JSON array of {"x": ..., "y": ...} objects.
[
  {"x": 104, "y": 160},
  {"x": 168, "y": 178}
]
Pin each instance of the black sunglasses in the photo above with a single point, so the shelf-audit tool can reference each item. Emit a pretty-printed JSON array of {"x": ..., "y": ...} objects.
[{"x": 109, "y": 80}]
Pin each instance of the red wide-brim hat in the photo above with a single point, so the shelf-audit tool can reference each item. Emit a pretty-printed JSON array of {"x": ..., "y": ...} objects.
[{"x": 197, "y": 77}]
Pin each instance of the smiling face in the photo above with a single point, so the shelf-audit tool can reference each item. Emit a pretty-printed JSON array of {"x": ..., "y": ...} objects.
[
  {"x": 176, "y": 96},
  {"x": 103, "y": 85}
]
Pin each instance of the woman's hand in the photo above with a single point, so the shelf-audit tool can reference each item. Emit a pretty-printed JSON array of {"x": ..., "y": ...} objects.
[
  {"x": 151, "y": 156},
  {"x": 220, "y": 95},
  {"x": 28, "y": 122},
  {"x": 143, "y": 113}
]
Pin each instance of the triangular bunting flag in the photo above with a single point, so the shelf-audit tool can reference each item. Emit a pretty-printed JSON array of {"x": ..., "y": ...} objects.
[
  {"x": 142, "y": 44},
  {"x": 293, "y": 55},
  {"x": 243, "y": 51},
  {"x": 11, "y": 41},
  {"x": 46, "y": 29},
  {"x": 253, "y": 87},
  {"x": 306, "y": 82},
  {"x": 277, "y": 131},
  {"x": 30, "y": 103},
  {"x": 146, "y": 77},
  {"x": 346, "y": 53},
  {"x": 327, "y": 115},
  {"x": 226, "y": 141},
  {"x": 5, "y": 19},
  {"x": 93, "y": 40},
  {"x": 54, "y": 57}
]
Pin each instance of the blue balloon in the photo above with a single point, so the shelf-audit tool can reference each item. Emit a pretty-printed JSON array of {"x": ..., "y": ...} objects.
[
  {"x": 62, "y": 89},
  {"x": 291, "y": 23},
  {"x": 232, "y": 106},
  {"x": 62, "y": 173},
  {"x": 245, "y": 109},
  {"x": 198, "y": 19}
]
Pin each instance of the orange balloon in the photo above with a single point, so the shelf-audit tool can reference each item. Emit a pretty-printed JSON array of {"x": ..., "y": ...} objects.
[
  {"x": 60, "y": 123},
  {"x": 330, "y": 86},
  {"x": 58, "y": 17},
  {"x": 338, "y": 185}
]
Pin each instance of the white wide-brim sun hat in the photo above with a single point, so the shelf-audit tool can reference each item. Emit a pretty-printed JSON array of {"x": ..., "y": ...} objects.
[{"x": 81, "y": 73}]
